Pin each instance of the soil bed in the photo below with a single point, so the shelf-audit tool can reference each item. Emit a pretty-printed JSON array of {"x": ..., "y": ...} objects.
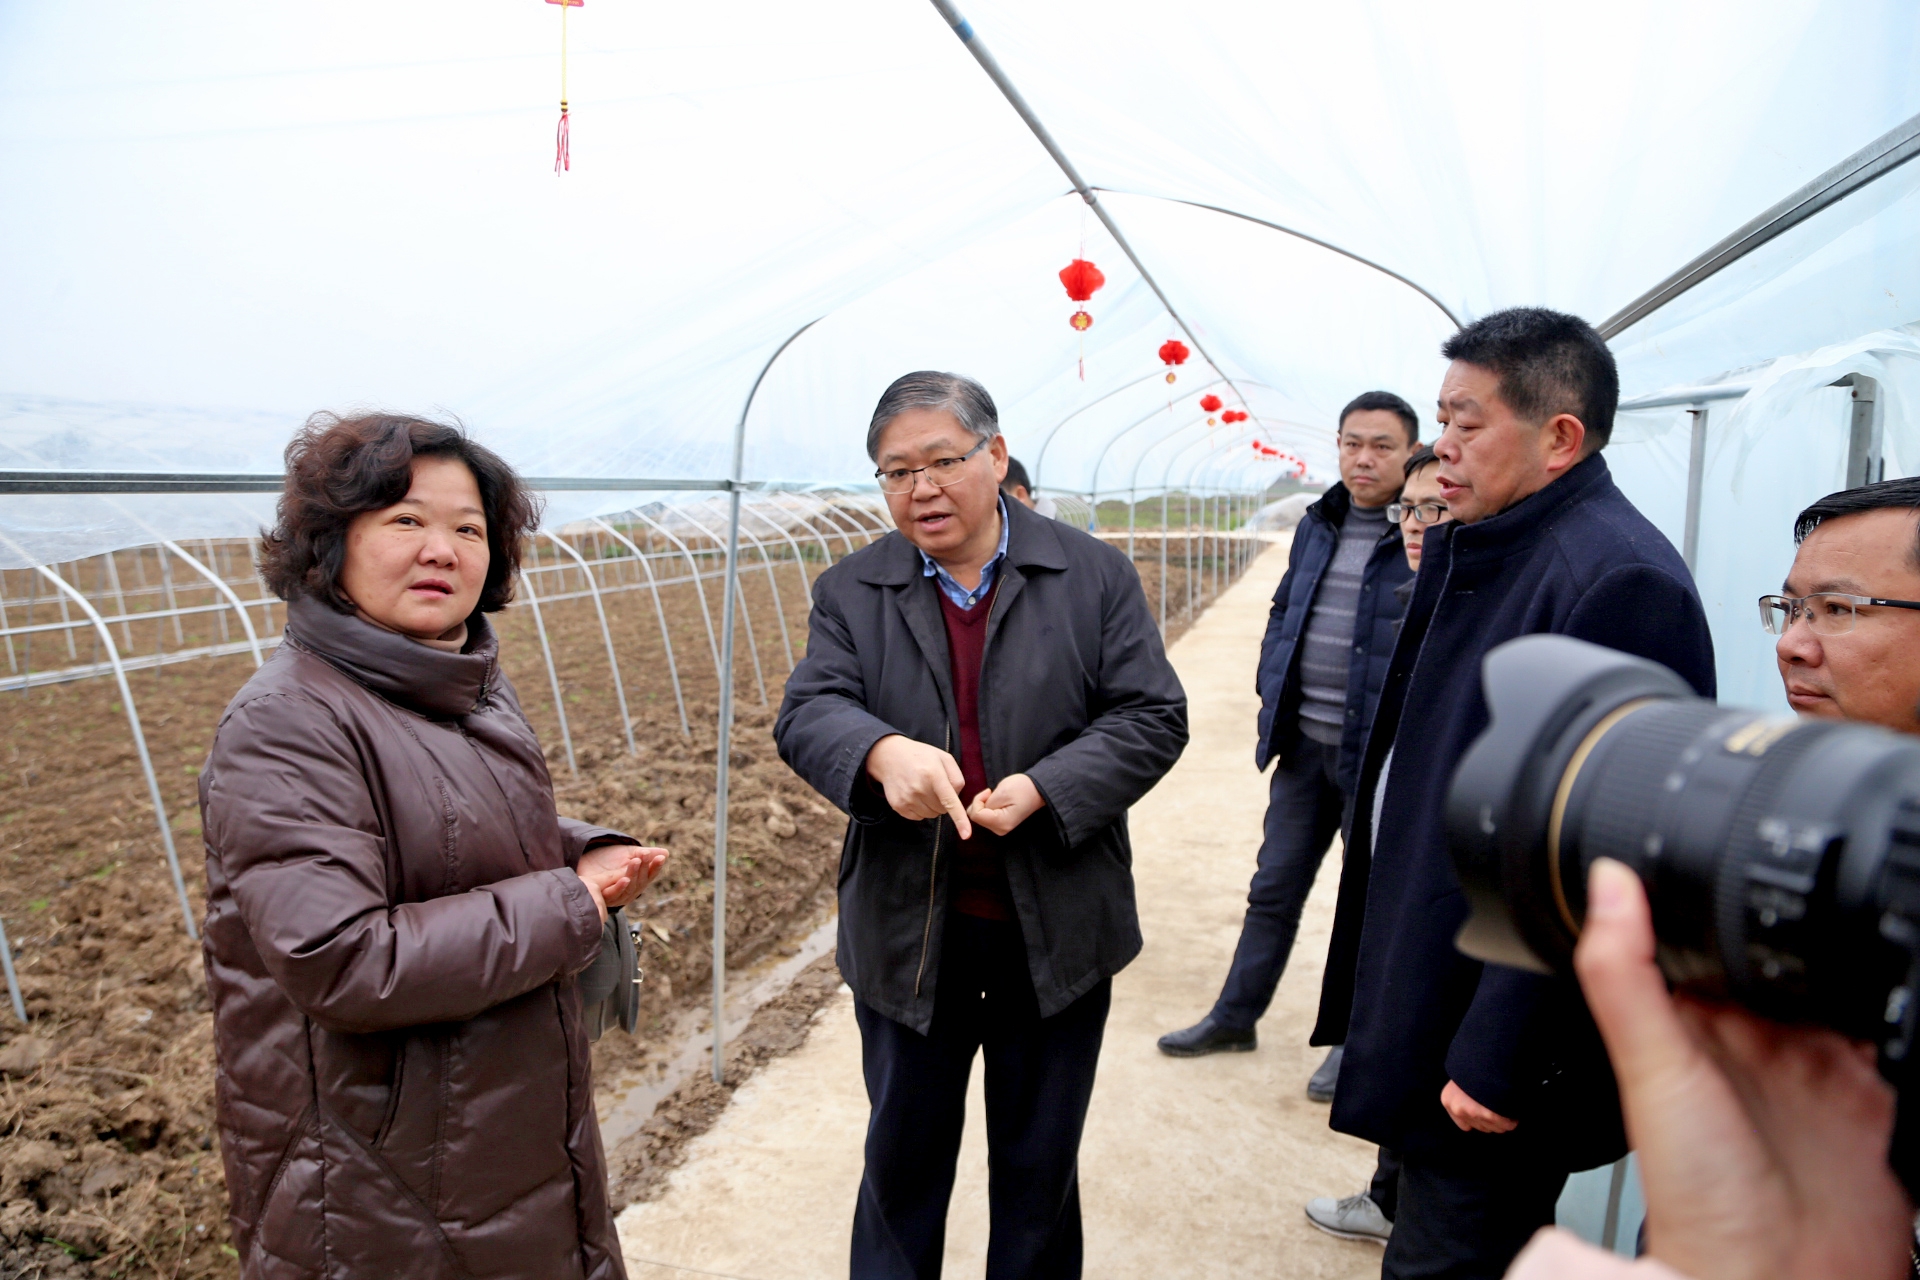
[{"x": 108, "y": 1157}]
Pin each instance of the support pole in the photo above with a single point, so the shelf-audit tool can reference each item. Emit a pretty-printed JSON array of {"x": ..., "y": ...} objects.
[
  {"x": 13, "y": 983},
  {"x": 139, "y": 741},
  {"x": 723, "y": 753},
  {"x": 724, "y": 758},
  {"x": 1166, "y": 531},
  {"x": 1696, "y": 478}
]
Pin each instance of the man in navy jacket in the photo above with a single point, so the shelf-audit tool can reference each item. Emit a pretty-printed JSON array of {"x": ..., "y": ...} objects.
[
  {"x": 1490, "y": 1083},
  {"x": 1322, "y": 665}
]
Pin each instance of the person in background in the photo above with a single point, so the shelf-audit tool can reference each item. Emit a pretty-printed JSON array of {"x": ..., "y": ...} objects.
[
  {"x": 395, "y": 913},
  {"x": 985, "y": 693},
  {"x": 1016, "y": 486},
  {"x": 1419, "y": 508},
  {"x": 1368, "y": 1215},
  {"x": 1763, "y": 1147},
  {"x": 1490, "y": 1083},
  {"x": 1322, "y": 660}
]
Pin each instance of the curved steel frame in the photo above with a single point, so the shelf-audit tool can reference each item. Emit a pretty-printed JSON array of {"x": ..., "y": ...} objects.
[
  {"x": 606, "y": 634},
  {"x": 1041, "y": 458},
  {"x": 553, "y": 673},
  {"x": 69, "y": 591},
  {"x": 659, "y": 612},
  {"x": 1328, "y": 245}
]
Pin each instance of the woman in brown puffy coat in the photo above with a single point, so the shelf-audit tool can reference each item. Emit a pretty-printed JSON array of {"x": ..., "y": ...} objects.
[{"x": 395, "y": 912}]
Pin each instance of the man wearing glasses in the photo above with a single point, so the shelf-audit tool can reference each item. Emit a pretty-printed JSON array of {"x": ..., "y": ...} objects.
[
  {"x": 986, "y": 694},
  {"x": 1322, "y": 662},
  {"x": 1848, "y": 620}
]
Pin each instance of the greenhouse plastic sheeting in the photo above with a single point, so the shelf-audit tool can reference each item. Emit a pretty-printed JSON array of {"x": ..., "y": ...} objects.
[{"x": 220, "y": 218}]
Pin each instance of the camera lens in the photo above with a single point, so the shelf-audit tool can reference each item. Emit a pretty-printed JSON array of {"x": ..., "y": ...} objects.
[{"x": 1781, "y": 856}]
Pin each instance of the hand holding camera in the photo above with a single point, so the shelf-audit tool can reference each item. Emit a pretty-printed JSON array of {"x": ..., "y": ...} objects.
[{"x": 1762, "y": 1145}]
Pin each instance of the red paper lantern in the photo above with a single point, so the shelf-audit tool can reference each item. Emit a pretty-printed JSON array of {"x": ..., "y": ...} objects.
[
  {"x": 1082, "y": 279},
  {"x": 1172, "y": 352},
  {"x": 1234, "y": 415},
  {"x": 1211, "y": 402}
]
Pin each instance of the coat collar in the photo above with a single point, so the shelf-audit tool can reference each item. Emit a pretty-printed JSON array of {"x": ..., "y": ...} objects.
[
  {"x": 1521, "y": 524},
  {"x": 1332, "y": 505},
  {"x": 415, "y": 676},
  {"x": 1033, "y": 542}
]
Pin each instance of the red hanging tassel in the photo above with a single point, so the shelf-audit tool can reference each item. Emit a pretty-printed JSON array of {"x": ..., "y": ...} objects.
[{"x": 562, "y": 158}]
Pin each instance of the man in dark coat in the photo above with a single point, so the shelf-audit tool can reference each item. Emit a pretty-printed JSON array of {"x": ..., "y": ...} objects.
[
  {"x": 1322, "y": 664},
  {"x": 1491, "y": 1083},
  {"x": 985, "y": 692}
]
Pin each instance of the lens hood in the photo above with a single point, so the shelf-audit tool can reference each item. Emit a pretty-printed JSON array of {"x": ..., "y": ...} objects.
[{"x": 1546, "y": 697}]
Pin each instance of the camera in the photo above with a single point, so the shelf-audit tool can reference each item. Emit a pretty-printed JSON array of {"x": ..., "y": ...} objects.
[{"x": 1781, "y": 855}]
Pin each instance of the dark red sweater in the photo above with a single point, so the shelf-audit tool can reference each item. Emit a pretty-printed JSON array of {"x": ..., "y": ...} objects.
[{"x": 979, "y": 878}]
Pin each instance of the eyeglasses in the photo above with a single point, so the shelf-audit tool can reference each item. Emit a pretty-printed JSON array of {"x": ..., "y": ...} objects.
[
  {"x": 941, "y": 472},
  {"x": 1829, "y": 613},
  {"x": 1422, "y": 512}
]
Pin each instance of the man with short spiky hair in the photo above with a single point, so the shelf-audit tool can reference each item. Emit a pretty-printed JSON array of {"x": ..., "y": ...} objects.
[{"x": 1490, "y": 1082}]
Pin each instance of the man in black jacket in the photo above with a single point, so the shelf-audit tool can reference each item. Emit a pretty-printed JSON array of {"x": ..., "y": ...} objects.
[
  {"x": 985, "y": 692},
  {"x": 1489, "y": 1082},
  {"x": 1322, "y": 663}
]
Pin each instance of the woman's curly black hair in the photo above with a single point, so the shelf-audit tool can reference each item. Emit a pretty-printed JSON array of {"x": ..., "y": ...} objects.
[{"x": 339, "y": 468}]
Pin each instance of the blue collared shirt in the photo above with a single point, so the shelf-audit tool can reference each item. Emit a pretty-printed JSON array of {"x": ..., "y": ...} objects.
[{"x": 950, "y": 588}]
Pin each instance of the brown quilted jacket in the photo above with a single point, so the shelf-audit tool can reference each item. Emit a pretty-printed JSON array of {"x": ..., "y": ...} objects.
[{"x": 391, "y": 933}]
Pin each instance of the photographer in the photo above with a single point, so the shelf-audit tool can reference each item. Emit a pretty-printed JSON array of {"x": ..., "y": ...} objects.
[
  {"x": 1763, "y": 1147},
  {"x": 1488, "y": 1081}
]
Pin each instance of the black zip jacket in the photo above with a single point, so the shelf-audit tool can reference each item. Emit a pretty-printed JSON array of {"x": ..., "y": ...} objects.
[
  {"x": 1575, "y": 559},
  {"x": 1075, "y": 692}
]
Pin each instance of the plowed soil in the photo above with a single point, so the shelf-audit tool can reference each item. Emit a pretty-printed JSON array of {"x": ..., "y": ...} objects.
[{"x": 108, "y": 1159}]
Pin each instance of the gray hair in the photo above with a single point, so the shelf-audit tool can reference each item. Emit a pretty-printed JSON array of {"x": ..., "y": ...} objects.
[{"x": 956, "y": 393}]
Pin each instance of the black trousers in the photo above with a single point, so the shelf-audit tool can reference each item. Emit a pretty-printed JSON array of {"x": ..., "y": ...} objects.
[
  {"x": 1039, "y": 1078},
  {"x": 1304, "y": 807},
  {"x": 1384, "y": 1190},
  {"x": 1467, "y": 1206}
]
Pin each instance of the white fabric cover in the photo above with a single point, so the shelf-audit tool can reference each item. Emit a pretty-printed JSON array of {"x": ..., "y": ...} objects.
[{"x": 219, "y": 218}]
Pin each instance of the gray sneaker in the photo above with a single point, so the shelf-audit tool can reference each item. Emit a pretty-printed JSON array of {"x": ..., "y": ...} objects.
[
  {"x": 1354, "y": 1217},
  {"x": 1320, "y": 1085}
]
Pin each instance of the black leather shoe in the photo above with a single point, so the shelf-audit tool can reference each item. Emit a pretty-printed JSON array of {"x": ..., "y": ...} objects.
[
  {"x": 1207, "y": 1036},
  {"x": 1320, "y": 1085}
]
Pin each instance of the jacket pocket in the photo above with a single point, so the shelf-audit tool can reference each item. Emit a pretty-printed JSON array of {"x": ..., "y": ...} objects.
[
  {"x": 365, "y": 1234},
  {"x": 410, "y": 1138},
  {"x": 394, "y": 1086},
  {"x": 287, "y": 1222}
]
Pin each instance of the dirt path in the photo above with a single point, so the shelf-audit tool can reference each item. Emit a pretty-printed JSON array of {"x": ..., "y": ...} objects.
[{"x": 1189, "y": 1168}]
